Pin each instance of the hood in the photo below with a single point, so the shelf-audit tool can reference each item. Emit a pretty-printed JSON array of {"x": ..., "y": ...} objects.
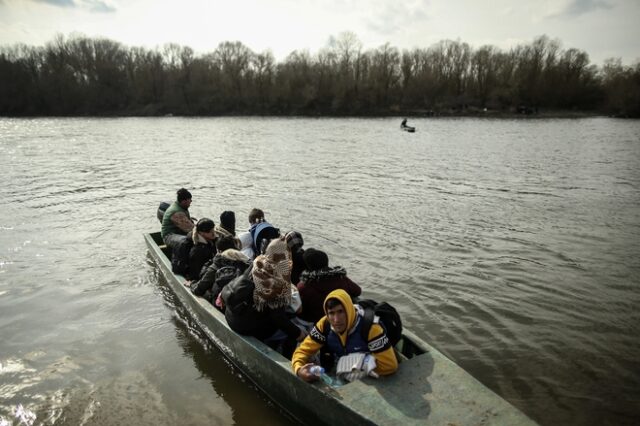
[
  {"x": 197, "y": 238},
  {"x": 323, "y": 274},
  {"x": 352, "y": 315}
]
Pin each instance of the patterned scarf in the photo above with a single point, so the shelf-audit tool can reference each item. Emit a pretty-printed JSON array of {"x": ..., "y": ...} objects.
[{"x": 272, "y": 277}]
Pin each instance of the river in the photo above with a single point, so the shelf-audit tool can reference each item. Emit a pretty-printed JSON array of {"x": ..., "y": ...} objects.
[{"x": 512, "y": 246}]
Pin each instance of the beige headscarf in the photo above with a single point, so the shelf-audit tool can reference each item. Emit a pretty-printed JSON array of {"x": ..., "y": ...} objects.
[{"x": 272, "y": 277}]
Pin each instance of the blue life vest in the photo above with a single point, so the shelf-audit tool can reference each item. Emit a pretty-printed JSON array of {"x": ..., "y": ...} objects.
[
  {"x": 355, "y": 342},
  {"x": 262, "y": 231}
]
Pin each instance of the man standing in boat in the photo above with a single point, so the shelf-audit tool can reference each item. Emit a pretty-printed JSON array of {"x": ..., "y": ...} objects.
[
  {"x": 176, "y": 222},
  {"x": 339, "y": 333}
]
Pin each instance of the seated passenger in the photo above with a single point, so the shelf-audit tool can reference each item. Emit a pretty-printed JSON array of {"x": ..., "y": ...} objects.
[
  {"x": 256, "y": 216},
  {"x": 264, "y": 315},
  {"x": 228, "y": 222},
  {"x": 339, "y": 334},
  {"x": 227, "y": 228},
  {"x": 176, "y": 221},
  {"x": 294, "y": 241},
  {"x": 318, "y": 280},
  {"x": 260, "y": 233},
  {"x": 203, "y": 248},
  {"x": 210, "y": 284}
]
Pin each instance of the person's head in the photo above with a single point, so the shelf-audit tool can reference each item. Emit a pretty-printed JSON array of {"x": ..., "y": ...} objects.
[
  {"x": 256, "y": 216},
  {"x": 271, "y": 274},
  {"x": 294, "y": 240},
  {"x": 205, "y": 228},
  {"x": 336, "y": 314},
  {"x": 340, "y": 311},
  {"x": 184, "y": 198},
  {"x": 315, "y": 260},
  {"x": 225, "y": 243},
  {"x": 228, "y": 221}
]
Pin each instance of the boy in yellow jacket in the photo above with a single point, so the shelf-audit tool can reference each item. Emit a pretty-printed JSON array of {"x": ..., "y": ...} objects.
[{"x": 344, "y": 337}]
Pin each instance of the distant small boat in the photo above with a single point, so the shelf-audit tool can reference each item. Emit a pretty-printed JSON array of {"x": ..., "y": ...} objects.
[{"x": 408, "y": 129}]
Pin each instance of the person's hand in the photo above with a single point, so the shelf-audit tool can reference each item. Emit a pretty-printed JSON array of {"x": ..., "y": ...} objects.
[
  {"x": 187, "y": 283},
  {"x": 305, "y": 374}
]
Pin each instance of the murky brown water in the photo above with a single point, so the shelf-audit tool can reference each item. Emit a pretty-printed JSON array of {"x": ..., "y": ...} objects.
[{"x": 511, "y": 246}]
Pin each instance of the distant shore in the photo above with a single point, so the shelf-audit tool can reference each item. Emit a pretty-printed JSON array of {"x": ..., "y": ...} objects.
[{"x": 409, "y": 114}]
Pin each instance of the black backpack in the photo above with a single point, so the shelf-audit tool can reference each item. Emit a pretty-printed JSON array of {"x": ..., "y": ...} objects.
[
  {"x": 180, "y": 257},
  {"x": 262, "y": 234},
  {"x": 238, "y": 294},
  {"x": 224, "y": 276},
  {"x": 389, "y": 319}
]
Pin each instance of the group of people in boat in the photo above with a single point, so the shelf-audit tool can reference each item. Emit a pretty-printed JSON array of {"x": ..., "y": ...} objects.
[{"x": 273, "y": 288}]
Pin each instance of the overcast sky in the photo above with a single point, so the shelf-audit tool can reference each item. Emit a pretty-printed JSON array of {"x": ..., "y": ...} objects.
[{"x": 602, "y": 28}]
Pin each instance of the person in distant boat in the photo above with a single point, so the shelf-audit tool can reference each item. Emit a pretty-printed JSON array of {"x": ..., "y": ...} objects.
[
  {"x": 318, "y": 280},
  {"x": 264, "y": 315},
  {"x": 339, "y": 334},
  {"x": 404, "y": 123},
  {"x": 176, "y": 222},
  {"x": 203, "y": 249}
]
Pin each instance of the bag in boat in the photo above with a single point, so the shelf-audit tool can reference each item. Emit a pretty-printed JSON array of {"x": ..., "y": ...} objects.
[
  {"x": 224, "y": 276},
  {"x": 355, "y": 366},
  {"x": 161, "y": 209},
  {"x": 389, "y": 319},
  {"x": 238, "y": 294},
  {"x": 180, "y": 256},
  {"x": 262, "y": 234}
]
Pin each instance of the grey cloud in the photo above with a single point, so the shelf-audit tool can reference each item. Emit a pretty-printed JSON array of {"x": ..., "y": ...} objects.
[
  {"x": 100, "y": 6},
  {"x": 59, "y": 3},
  {"x": 394, "y": 17},
  {"x": 97, "y": 6},
  {"x": 580, "y": 7}
]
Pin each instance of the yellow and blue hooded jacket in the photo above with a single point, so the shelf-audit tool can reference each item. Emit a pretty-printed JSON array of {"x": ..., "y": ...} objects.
[{"x": 377, "y": 342}]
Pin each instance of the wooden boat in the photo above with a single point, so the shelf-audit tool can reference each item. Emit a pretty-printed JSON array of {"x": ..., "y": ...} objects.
[
  {"x": 408, "y": 129},
  {"x": 427, "y": 389}
]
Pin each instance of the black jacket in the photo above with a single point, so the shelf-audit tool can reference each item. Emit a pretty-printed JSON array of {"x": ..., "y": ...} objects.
[
  {"x": 207, "y": 281},
  {"x": 199, "y": 254},
  {"x": 249, "y": 322}
]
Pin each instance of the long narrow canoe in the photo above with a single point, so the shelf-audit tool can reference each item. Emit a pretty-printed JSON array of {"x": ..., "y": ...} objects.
[{"x": 427, "y": 389}]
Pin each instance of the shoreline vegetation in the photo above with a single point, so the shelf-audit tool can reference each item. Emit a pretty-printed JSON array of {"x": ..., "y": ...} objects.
[{"x": 82, "y": 76}]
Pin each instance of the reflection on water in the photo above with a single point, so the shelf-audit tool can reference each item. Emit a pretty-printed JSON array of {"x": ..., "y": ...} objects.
[
  {"x": 512, "y": 246},
  {"x": 227, "y": 381}
]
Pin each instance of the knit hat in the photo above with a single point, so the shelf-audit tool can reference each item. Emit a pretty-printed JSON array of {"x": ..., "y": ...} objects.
[
  {"x": 228, "y": 221},
  {"x": 294, "y": 240},
  {"x": 315, "y": 259},
  {"x": 205, "y": 225},
  {"x": 271, "y": 275}
]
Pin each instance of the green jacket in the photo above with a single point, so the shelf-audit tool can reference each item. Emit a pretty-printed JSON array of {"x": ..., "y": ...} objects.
[{"x": 168, "y": 227}]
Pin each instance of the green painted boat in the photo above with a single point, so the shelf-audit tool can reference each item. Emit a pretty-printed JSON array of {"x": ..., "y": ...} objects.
[{"x": 427, "y": 389}]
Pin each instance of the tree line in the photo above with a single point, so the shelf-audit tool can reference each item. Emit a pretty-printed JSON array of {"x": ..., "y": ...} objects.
[{"x": 79, "y": 75}]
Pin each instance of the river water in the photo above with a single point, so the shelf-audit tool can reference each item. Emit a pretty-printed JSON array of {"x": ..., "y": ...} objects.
[{"x": 512, "y": 246}]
